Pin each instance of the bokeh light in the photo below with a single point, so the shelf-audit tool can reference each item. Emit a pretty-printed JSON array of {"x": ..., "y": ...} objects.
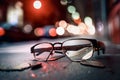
[
  {"x": 91, "y": 30},
  {"x": 76, "y": 30},
  {"x": 88, "y": 20},
  {"x": 63, "y": 23},
  {"x": 100, "y": 26},
  {"x": 73, "y": 29},
  {"x": 52, "y": 32},
  {"x": 60, "y": 30},
  {"x": 71, "y": 9},
  {"x": 83, "y": 28},
  {"x": 75, "y": 15},
  {"x": 69, "y": 28},
  {"x": 27, "y": 28},
  {"x": 77, "y": 21},
  {"x": 39, "y": 32},
  {"x": 15, "y": 14},
  {"x": 63, "y": 2},
  {"x": 37, "y": 4},
  {"x": 2, "y": 31}
]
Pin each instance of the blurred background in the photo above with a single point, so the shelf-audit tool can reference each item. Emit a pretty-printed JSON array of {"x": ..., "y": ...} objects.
[{"x": 25, "y": 20}]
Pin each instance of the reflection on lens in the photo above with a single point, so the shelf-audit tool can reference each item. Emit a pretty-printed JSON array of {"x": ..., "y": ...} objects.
[
  {"x": 78, "y": 50},
  {"x": 43, "y": 51}
]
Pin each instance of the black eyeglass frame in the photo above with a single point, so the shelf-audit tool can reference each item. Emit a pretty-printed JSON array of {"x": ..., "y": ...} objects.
[{"x": 97, "y": 46}]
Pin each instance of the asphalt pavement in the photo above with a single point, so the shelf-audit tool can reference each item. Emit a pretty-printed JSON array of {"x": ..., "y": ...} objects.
[{"x": 16, "y": 59}]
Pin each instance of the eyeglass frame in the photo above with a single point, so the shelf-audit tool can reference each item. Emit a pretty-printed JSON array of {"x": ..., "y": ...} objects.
[{"x": 97, "y": 46}]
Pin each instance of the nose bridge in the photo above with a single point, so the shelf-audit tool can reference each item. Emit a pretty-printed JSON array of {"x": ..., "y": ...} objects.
[{"x": 57, "y": 46}]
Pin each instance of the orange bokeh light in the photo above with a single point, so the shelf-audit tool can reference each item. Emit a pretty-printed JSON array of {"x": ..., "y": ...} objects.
[
  {"x": 77, "y": 21},
  {"x": 2, "y": 31},
  {"x": 52, "y": 32}
]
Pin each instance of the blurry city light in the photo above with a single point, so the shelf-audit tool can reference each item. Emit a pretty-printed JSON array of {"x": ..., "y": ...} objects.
[
  {"x": 63, "y": 2},
  {"x": 91, "y": 30},
  {"x": 83, "y": 28},
  {"x": 71, "y": 9},
  {"x": 52, "y": 32},
  {"x": 27, "y": 28},
  {"x": 39, "y": 32},
  {"x": 15, "y": 14},
  {"x": 37, "y": 4},
  {"x": 63, "y": 23},
  {"x": 69, "y": 28},
  {"x": 2, "y": 31},
  {"x": 60, "y": 30},
  {"x": 75, "y": 15},
  {"x": 12, "y": 16},
  {"x": 88, "y": 21},
  {"x": 76, "y": 30},
  {"x": 77, "y": 21},
  {"x": 56, "y": 24},
  {"x": 100, "y": 26},
  {"x": 73, "y": 29}
]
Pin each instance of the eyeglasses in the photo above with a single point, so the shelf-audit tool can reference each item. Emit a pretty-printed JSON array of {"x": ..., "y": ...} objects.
[{"x": 76, "y": 49}]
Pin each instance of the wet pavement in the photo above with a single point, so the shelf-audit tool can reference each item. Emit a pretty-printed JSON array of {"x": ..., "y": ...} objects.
[{"x": 15, "y": 55}]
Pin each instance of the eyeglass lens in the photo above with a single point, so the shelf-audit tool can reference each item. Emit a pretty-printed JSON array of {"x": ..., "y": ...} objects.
[
  {"x": 78, "y": 50},
  {"x": 43, "y": 52}
]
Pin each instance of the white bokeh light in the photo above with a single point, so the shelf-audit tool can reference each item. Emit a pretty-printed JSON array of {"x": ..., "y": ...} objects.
[
  {"x": 75, "y": 15},
  {"x": 88, "y": 20},
  {"x": 91, "y": 30},
  {"x": 60, "y": 30},
  {"x": 27, "y": 28},
  {"x": 37, "y": 4},
  {"x": 71, "y": 9}
]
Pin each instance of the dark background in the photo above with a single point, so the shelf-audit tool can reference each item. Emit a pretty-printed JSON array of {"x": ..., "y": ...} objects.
[{"x": 53, "y": 11}]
